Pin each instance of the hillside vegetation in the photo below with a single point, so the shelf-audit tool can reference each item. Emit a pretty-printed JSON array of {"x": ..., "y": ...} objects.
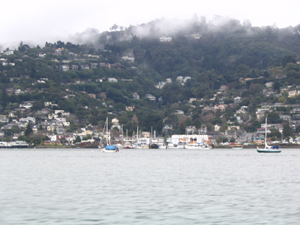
[{"x": 175, "y": 78}]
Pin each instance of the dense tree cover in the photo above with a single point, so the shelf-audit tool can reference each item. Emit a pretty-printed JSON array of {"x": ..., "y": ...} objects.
[{"x": 220, "y": 55}]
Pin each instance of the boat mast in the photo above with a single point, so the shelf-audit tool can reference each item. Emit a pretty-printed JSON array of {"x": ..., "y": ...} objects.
[
  {"x": 266, "y": 132},
  {"x": 108, "y": 131}
]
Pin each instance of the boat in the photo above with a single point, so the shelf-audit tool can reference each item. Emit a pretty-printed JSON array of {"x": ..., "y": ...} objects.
[
  {"x": 154, "y": 145},
  {"x": 108, "y": 148},
  {"x": 162, "y": 145},
  {"x": 237, "y": 148},
  {"x": 128, "y": 145},
  {"x": 14, "y": 144},
  {"x": 180, "y": 145},
  {"x": 140, "y": 145},
  {"x": 267, "y": 148},
  {"x": 4, "y": 144},
  {"x": 197, "y": 146},
  {"x": 19, "y": 144}
]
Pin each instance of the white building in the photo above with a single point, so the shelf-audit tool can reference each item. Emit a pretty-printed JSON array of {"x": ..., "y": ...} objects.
[
  {"x": 151, "y": 97},
  {"x": 165, "y": 39},
  {"x": 112, "y": 80},
  {"x": 9, "y": 52},
  {"x": 65, "y": 68},
  {"x": 175, "y": 139},
  {"x": 129, "y": 58}
]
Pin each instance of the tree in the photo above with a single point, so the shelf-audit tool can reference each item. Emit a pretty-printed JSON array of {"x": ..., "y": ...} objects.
[
  {"x": 287, "y": 130},
  {"x": 232, "y": 139},
  {"x": 77, "y": 140},
  {"x": 276, "y": 86},
  {"x": 134, "y": 121},
  {"x": 28, "y": 130},
  {"x": 288, "y": 59},
  {"x": 4, "y": 98},
  {"x": 274, "y": 117}
]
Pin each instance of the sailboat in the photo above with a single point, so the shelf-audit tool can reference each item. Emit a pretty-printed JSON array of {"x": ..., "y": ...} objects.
[
  {"x": 109, "y": 147},
  {"x": 267, "y": 148}
]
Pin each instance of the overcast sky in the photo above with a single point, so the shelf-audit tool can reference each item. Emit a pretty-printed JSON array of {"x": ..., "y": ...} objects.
[{"x": 40, "y": 21}]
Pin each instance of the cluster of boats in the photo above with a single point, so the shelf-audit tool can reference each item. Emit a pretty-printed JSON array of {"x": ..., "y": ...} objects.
[
  {"x": 14, "y": 144},
  {"x": 117, "y": 147}
]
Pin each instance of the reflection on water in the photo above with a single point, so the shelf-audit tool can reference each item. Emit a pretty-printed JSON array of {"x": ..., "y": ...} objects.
[{"x": 149, "y": 187}]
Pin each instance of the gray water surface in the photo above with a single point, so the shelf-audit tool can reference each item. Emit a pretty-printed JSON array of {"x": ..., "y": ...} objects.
[{"x": 149, "y": 187}]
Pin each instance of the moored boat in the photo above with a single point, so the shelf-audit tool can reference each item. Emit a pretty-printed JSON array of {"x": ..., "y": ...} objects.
[
  {"x": 14, "y": 144},
  {"x": 237, "y": 148},
  {"x": 197, "y": 146},
  {"x": 267, "y": 148},
  {"x": 108, "y": 147}
]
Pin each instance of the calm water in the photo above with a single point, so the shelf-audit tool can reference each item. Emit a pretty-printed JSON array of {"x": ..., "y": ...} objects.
[{"x": 149, "y": 187}]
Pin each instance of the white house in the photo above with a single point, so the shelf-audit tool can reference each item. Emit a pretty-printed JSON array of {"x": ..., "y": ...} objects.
[
  {"x": 135, "y": 95},
  {"x": 129, "y": 58},
  {"x": 151, "y": 97},
  {"x": 169, "y": 81},
  {"x": 65, "y": 68},
  {"x": 28, "y": 119},
  {"x": 165, "y": 39},
  {"x": 237, "y": 100},
  {"x": 26, "y": 105},
  {"x": 9, "y": 52},
  {"x": 112, "y": 80}
]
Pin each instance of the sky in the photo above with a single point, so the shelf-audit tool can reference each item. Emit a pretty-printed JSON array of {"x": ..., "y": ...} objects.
[{"x": 38, "y": 21}]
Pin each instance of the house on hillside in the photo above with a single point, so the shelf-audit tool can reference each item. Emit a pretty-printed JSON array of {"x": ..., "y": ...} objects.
[
  {"x": 169, "y": 81},
  {"x": 94, "y": 65},
  {"x": 269, "y": 84},
  {"x": 167, "y": 128},
  {"x": 135, "y": 95},
  {"x": 85, "y": 67},
  {"x": 74, "y": 67},
  {"x": 293, "y": 93},
  {"x": 191, "y": 130},
  {"x": 128, "y": 58},
  {"x": 26, "y": 105},
  {"x": 165, "y": 39},
  {"x": 65, "y": 68},
  {"x": 150, "y": 97},
  {"x": 223, "y": 88},
  {"x": 237, "y": 100},
  {"x": 111, "y": 79},
  {"x": 9, "y": 52}
]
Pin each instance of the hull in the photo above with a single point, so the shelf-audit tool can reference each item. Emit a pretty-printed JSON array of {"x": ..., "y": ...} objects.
[
  {"x": 154, "y": 146},
  {"x": 141, "y": 146},
  {"x": 179, "y": 146},
  {"x": 109, "y": 151},
  {"x": 237, "y": 148},
  {"x": 268, "y": 151},
  {"x": 196, "y": 147}
]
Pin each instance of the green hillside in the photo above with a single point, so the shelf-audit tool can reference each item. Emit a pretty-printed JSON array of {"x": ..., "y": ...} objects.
[{"x": 175, "y": 77}]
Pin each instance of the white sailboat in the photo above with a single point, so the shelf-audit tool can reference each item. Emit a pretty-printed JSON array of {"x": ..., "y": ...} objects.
[
  {"x": 109, "y": 148},
  {"x": 267, "y": 148}
]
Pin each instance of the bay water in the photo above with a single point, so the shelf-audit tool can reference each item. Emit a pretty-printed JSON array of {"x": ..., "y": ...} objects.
[{"x": 153, "y": 186}]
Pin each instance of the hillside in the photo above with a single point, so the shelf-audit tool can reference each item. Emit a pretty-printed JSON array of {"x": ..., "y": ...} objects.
[{"x": 152, "y": 79}]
